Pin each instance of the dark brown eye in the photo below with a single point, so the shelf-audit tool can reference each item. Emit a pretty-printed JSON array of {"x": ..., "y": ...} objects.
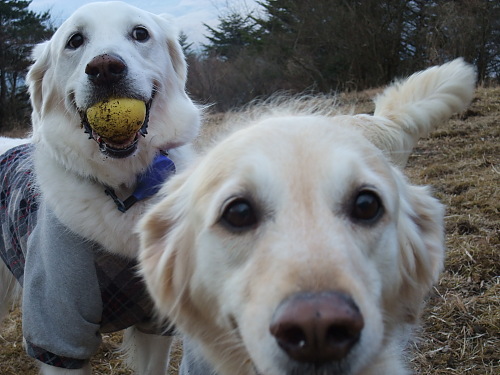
[
  {"x": 75, "y": 41},
  {"x": 239, "y": 215},
  {"x": 141, "y": 34},
  {"x": 366, "y": 207}
]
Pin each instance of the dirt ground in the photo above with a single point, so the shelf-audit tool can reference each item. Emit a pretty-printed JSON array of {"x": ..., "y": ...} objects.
[{"x": 461, "y": 325}]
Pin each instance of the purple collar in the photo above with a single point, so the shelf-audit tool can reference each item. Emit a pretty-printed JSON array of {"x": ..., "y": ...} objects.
[{"x": 148, "y": 183}]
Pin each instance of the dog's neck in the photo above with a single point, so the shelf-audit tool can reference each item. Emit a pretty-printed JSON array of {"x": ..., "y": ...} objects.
[{"x": 148, "y": 183}]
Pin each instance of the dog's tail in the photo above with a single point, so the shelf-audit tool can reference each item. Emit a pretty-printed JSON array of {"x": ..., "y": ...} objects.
[{"x": 417, "y": 105}]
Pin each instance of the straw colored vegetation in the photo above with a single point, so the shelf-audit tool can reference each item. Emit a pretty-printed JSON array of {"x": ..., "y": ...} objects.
[{"x": 461, "y": 325}]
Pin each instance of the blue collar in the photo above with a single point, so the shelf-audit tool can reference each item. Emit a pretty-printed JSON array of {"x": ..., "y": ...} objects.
[{"x": 148, "y": 183}]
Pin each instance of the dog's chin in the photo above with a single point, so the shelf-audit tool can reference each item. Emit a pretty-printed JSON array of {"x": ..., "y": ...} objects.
[
  {"x": 309, "y": 369},
  {"x": 112, "y": 148},
  {"x": 290, "y": 367},
  {"x": 118, "y": 150}
]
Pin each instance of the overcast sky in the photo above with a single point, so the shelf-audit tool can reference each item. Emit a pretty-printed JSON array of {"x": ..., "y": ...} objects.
[{"x": 190, "y": 14}]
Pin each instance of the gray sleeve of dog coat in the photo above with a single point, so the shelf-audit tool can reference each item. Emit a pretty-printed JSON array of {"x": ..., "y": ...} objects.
[{"x": 62, "y": 304}]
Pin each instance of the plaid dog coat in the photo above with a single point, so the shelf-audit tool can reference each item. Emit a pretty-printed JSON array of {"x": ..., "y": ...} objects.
[{"x": 73, "y": 289}]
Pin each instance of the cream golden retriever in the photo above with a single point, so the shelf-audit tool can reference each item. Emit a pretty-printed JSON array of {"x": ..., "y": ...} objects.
[
  {"x": 65, "y": 237},
  {"x": 295, "y": 245}
]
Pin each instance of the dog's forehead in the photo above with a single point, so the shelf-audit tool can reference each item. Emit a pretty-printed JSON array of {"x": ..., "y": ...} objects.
[
  {"x": 303, "y": 148},
  {"x": 109, "y": 10},
  {"x": 106, "y": 19},
  {"x": 305, "y": 136}
]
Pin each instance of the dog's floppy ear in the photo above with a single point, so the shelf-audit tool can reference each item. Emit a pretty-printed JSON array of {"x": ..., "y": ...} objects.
[
  {"x": 166, "y": 258},
  {"x": 412, "y": 108},
  {"x": 174, "y": 48},
  {"x": 41, "y": 58},
  {"x": 421, "y": 243}
]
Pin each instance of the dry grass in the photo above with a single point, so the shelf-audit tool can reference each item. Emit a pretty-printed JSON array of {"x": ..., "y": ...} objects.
[
  {"x": 461, "y": 324},
  {"x": 462, "y": 320}
]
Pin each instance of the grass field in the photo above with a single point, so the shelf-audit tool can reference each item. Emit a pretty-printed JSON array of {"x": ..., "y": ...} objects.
[{"x": 461, "y": 325}]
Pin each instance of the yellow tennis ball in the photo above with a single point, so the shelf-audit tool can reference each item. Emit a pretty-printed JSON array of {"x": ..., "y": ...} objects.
[{"x": 118, "y": 119}]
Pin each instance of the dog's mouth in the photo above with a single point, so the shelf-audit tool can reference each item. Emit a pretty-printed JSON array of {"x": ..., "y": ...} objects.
[
  {"x": 294, "y": 367},
  {"x": 121, "y": 146}
]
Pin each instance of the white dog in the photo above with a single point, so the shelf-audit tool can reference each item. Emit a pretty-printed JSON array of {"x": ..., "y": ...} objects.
[
  {"x": 77, "y": 264},
  {"x": 295, "y": 245}
]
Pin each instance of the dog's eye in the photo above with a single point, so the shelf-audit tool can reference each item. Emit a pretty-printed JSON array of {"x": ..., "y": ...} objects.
[
  {"x": 140, "y": 34},
  {"x": 366, "y": 207},
  {"x": 75, "y": 41},
  {"x": 239, "y": 215}
]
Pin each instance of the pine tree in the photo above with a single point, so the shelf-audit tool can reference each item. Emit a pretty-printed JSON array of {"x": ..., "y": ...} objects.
[
  {"x": 187, "y": 47},
  {"x": 234, "y": 33},
  {"x": 20, "y": 30}
]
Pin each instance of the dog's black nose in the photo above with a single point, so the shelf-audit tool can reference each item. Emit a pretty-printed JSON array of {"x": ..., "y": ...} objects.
[
  {"x": 106, "y": 69},
  {"x": 317, "y": 327}
]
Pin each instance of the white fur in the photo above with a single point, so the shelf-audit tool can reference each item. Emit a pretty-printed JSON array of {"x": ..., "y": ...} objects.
[
  {"x": 71, "y": 172},
  {"x": 299, "y": 173},
  {"x": 150, "y": 353},
  {"x": 59, "y": 88},
  {"x": 51, "y": 370},
  {"x": 408, "y": 114}
]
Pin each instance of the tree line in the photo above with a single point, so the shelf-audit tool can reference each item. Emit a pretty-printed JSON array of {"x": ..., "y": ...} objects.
[
  {"x": 291, "y": 45},
  {"x": 337, "y": 45}
]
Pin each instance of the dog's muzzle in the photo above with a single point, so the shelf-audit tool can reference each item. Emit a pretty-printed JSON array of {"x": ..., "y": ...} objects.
[
  {"x": 117, "y": 117},
  {"x": 113, "y": 148}
]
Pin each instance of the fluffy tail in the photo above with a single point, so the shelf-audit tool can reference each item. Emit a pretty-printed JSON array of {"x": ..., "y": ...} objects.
[{"x": 417, "y": 105}]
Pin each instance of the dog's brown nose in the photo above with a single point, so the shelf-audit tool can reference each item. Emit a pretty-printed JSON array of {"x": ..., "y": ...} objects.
[
  {"x": 317, "y": 327},
  {"x": 106, "y": 69}
]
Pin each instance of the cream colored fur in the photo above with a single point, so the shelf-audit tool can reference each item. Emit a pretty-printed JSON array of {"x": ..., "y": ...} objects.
[
  {"x": 70, "y": 170},
  {"x": 300, "y": 173}
]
